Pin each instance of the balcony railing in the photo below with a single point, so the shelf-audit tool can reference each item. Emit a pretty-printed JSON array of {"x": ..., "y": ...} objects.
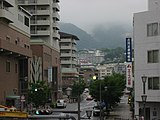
[
  {"x": 4, "y": 13},
  {"x": 40, "y": 22},
  {"x": 33, "y": 2},
  {"x": 40, "y": 32}
]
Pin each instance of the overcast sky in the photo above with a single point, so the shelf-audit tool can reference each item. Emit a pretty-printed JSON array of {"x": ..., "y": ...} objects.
[{"x": 87, "y": 14}]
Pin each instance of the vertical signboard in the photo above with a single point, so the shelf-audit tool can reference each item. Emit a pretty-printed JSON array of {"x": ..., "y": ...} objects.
[
  {"x": 50, "y": 74},
  {"x": 128, "y": 50},
  {"x": 129, "y": 80},
  {"x": 129, "y": 75}
]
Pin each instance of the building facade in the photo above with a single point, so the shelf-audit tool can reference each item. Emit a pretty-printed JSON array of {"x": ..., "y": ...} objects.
[
  {"x": 68, "y": 50},
  {"x": 45, "y": 41},
  {"x": 147, "y": 60},
  {"x": 15, "y": 52}
]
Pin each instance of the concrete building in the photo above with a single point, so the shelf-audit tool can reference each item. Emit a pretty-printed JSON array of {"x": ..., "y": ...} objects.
[
  {"x": 68, "y": 51},
  {"x": 120, "y": 68},
  {"x": 90, "y": 57},
  {"x": 45, "y": 41},
  {"x": 15, "y": 52},
  {"x": 99, "y": 57},
  {"x": 109, "y": 69},
  {"x": 147, "y": 62}
]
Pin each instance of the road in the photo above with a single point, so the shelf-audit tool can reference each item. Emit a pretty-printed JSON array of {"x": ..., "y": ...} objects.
[
  {"x": 121, "y": 111},
  {"x": 84, "y": 105}
]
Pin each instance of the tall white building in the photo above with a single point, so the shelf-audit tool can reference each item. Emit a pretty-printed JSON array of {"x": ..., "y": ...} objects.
[
  {"x": 147, "y": 60},
  {"x": 44, "y": 20},
  {"x": 44, "y": 30}
]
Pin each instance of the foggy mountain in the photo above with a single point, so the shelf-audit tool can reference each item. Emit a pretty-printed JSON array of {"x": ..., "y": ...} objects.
[{"x": 102, "y": 37}]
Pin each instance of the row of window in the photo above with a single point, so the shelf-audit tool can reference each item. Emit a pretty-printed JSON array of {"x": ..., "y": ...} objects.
[
  {"x": 153, "y": 56},
  {"x": 17, "y": 42}
]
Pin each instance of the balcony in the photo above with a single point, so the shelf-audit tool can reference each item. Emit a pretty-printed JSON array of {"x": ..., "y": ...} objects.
[
  {"x": 40, "y": 22},
  {"x": 56, "y": 15},
  {"x": 69, "y": 70},
  {"x": 68, "y": 62},
  {"x": 66, "y": 47},
  {"x": 40, "y": 33},
  {"x": 6, "y": 15},
  {"x": 66, "y": 54},
  {"x": 43, "y": 12},
  {"x": 74, "y": 48},
  {"x": 33, "y": 2},
  {"x": 56, "y": 5},
  {"x": 56, "y": 35},
  {"x": 56, "y": 25}
]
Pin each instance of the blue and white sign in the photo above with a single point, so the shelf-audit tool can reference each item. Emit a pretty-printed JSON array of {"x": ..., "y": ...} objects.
[{"x": 128, "y": 49}]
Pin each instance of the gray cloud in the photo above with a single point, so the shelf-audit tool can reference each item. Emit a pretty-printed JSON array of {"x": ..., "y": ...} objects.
[{"x": 87, "y": 14}]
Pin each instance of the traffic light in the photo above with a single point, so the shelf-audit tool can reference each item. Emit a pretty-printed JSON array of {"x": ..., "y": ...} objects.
[
  {"x": 42, "y": 112},
  {"x": 129, "y": 100}
]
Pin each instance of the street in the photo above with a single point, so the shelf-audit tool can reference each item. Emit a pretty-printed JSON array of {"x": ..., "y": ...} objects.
[{"x": 120, "y": 111}]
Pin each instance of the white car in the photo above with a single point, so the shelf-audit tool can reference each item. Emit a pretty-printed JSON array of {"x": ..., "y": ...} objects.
[
  {"x": 61, "y": 103},
  {"x": 96, "y": 110}
]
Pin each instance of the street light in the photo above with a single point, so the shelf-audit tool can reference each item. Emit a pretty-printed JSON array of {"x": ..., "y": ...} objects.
[
  {"x": 144, "y": 97},
  {"x": 144, "y": 78},
  {"x": 69, "y": 91},
  {"x": 89, "y": 113}
]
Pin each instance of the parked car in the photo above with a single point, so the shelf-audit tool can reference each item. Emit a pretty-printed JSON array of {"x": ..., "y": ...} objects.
[
  {"x": 61, "y": 103},
  {"x": 96, "y": 110}
]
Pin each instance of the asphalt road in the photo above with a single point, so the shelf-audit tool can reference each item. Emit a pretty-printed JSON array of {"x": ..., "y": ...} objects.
[
  {"x": 84, "y": 105},
  {"x": 121, "y": 111}
]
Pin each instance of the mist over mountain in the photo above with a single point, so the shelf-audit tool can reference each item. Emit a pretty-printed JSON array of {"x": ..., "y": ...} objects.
[
  {"x": 86, "y": 40},
  {"x": 102, "y": 36}
]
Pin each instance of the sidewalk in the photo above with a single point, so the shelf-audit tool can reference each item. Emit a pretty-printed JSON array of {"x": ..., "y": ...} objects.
[{"x": 121, "y": 112}]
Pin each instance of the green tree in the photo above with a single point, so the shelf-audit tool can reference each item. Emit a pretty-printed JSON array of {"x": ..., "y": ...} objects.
[
  {"x": 114, "y": 55},
  {"x": 38, "y": 93},
  {"x": 115, "y": 86},
  {"x": 78, "y": 87}
]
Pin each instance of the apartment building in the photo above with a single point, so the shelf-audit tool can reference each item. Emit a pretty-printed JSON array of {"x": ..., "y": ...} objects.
[
  {"x": 45, "y": 38},
  {"x": 90, "y": 57},
  {"x": 68, "y": 50},
  {"x": 147, "y": 60},
  {"x": 109, "y": 69},
  {"x": 15, "y": 52}
]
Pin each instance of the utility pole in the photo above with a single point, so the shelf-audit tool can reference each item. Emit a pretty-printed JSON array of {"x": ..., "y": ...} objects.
[
  {"x": 79, "y": 112},
  {"x": 100, "y": 99}
]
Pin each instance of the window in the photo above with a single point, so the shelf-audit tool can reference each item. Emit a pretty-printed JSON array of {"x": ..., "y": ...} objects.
[
  {"x": 16, "y": 68},
  {"x": 26, "y": 21},
  {"x": 8, "y": 38},
  {"x": 153, "y": 83},
  {"x": 7, "y": 66},
  {"x": 153, "y": 56},
  {"x": 152, "y": 29}
]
